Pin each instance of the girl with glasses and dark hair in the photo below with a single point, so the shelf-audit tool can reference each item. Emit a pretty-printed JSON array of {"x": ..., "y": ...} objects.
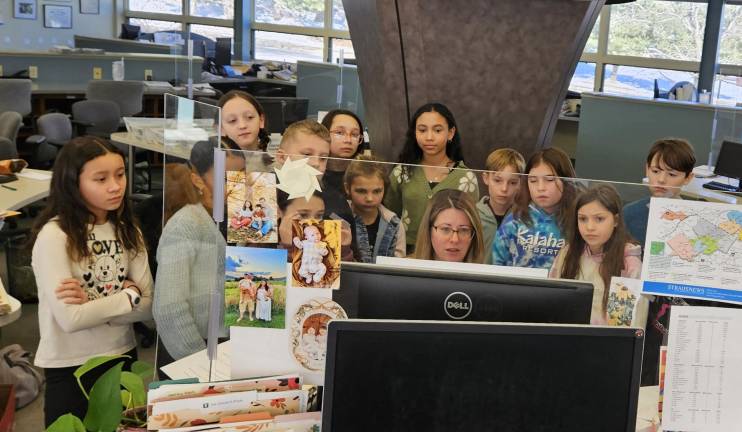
[
  {"x": 433, "y": 145},
  {"x": 346, "y": 139}
]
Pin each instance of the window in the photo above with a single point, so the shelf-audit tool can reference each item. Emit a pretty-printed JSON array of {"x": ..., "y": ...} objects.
[
  {"x": 209, "y": 18},
  {"x": 637, "y": 81},
  {"x": 727, "y": 90},
  {"x": 346, "y": 46},
  {"x": 592, "y": 42},
  {"x": 212, "y": 32},
  {"x": 730, "y": 46},
  {"x": 658, "y": 29},
  {"x": 584, "y": 77},
  {"x": 287, "y": 47},
  {"x": 338, "y": 15},
  {"x": 153, "y": 26},
  {"x": 301, "y": 13},
  {"x": 213, "y": 8},
  {"x": 160, "y": 6}
]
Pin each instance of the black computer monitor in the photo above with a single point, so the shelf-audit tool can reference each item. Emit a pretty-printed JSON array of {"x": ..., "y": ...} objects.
[
  {"x": 729, "y": 161},
  {"x": 223, "y": 51},
  {"x": 129, "y": 31},
  {"x": 443, "y": 376},
  {"x": 377, "y": 291},
  {"x": 280, "y": 112}
]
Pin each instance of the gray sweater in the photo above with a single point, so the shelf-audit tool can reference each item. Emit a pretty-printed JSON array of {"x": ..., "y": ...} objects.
[{"x": 190, "y": 259}]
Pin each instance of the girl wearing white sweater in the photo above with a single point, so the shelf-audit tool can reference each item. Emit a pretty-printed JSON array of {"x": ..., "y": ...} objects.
[{"x": 91, "y": 270}]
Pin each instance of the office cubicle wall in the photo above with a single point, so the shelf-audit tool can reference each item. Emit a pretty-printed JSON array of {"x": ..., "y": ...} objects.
[
  {"x": 502, "y": 66},
  {"x": 622, "y": 129},
  {"x": 73, "y": 71},
  {"x": 124, "y": 45},
  {"x": 319, "y": 82}
]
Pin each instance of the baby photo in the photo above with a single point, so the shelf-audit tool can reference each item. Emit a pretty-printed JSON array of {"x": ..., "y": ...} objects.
[
  {"x": 316, "y": 254},
  {"x": 255, "y": 287},
  {"x": 251, "y": 207}
]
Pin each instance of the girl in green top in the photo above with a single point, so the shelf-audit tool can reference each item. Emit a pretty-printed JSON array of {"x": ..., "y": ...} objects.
[{"x": 433, "y": 144}]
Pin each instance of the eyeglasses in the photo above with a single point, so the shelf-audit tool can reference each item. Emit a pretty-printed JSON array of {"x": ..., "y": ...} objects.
[
  {"x": 448, "y": 232},
  {"x": 337, "y": 134}
]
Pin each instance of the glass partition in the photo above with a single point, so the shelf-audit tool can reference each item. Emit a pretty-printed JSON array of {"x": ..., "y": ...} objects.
[
  {"x": 191, "y": 249},
  {"x": 266, "y": 235}
]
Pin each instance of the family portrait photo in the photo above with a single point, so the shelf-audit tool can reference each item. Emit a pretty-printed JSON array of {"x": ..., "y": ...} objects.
[
  {"x": 309, "y": 328},
  {"x": 251, "y": 207},
  {"x": 316, "y": 253},
  {"x": 255, "y": 287}
]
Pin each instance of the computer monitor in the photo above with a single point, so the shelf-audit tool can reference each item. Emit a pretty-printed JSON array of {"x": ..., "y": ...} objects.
[
  {"x": 129, "y": 31},
  {"x": 729, "y": 161},
  {"x": 443, "y": 376},
  {"x": 375, "y": 291},
  {"x": 280, "y": 112},
  {"x": 223, "y": 51}
]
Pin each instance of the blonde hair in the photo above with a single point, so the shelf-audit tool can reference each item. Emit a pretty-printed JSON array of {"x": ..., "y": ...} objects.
[
  {"x": 502, "y": 158},
  {"x": 309, "y": 127},
  {"x": 442, "y": 200},
  {"x": 365, "y": 166}
]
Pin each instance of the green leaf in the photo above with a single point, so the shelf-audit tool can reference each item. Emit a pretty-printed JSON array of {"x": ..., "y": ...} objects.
[
  {"x": 125, "y": 399},
  {"x": 135, "y": 385},
  {"x": 104, "y": 407},
  {"x": 94, "y": 362},
  {"x": 67, "y": 423},
  {"x": 143, "y": 369}
]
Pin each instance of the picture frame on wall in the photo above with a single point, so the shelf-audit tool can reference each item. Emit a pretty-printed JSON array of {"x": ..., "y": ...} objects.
[
  {"x": 24, "y": 9},
  {"x": 91, "y": 7},
  {"x": 59, "y": 17}
]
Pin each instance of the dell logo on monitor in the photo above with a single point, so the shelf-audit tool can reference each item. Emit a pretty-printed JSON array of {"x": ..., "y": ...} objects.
[{"x": 457, "y": 305}]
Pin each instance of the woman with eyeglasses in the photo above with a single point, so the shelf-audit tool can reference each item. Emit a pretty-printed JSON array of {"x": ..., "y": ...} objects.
[
  {"x": 346, "y": 134},
  {"x": 450, "y": 229}
]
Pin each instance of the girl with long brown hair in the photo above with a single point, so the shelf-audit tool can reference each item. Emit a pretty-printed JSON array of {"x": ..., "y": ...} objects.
[
  {"x": 91, "y": 270},
  {"x": 598, "y": 246},
  {"x": 531, "y": 236}
]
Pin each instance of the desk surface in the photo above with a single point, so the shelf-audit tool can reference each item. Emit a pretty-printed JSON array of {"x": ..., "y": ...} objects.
[
  {"x": 56, "y": 89},
  {"x": 130, "y": 139},
  {"x": 695, "y": 190},
  {"x": 15, "y": 309},
  {"x": 27, "y": 190}
]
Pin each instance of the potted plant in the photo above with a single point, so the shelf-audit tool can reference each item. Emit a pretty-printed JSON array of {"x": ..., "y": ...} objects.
[{"x": 117, "y": 400}]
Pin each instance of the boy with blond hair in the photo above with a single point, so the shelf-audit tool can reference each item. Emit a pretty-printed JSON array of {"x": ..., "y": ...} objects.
[
  {"x": 309, "y": 139},
  {"x": 504, "y": 168}
]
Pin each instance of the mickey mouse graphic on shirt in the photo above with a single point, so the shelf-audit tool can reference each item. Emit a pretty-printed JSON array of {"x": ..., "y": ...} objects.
[{"x": 105, "y": 272}]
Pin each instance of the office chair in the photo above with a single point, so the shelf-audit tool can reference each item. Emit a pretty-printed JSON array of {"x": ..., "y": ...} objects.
[
  {"x": 97, "y": 117},
  {"x": 15, "y": 95},
  {"x": 126, "y": 94},
  {"x": 10, "y": 123}
]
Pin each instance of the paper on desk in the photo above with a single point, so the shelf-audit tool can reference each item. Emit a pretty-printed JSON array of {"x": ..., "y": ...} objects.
[
  {"x": 197, "y": 365},
  {"x": 703, "y": 380},
  {"x": 35, "y": 175}
]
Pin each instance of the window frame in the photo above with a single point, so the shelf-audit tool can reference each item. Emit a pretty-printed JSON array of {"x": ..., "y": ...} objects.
[
  {"x": 327, "y": 33},
  {"x": 185, "y": 19}
]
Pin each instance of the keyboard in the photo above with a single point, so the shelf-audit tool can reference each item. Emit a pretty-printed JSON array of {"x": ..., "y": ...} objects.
[{"x": 721, "y": 187}]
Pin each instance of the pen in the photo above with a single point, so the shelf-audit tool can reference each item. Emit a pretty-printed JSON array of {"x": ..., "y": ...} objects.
[{"x": 9, "y": 188}]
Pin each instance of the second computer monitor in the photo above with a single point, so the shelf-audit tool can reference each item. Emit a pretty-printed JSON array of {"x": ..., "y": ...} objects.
[
  {"x": 729, "y": 162},
  {"x": 375, "y": 291}
]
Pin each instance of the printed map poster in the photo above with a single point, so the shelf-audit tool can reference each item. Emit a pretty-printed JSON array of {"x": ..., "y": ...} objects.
[{"x": 694, "y": 250}]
